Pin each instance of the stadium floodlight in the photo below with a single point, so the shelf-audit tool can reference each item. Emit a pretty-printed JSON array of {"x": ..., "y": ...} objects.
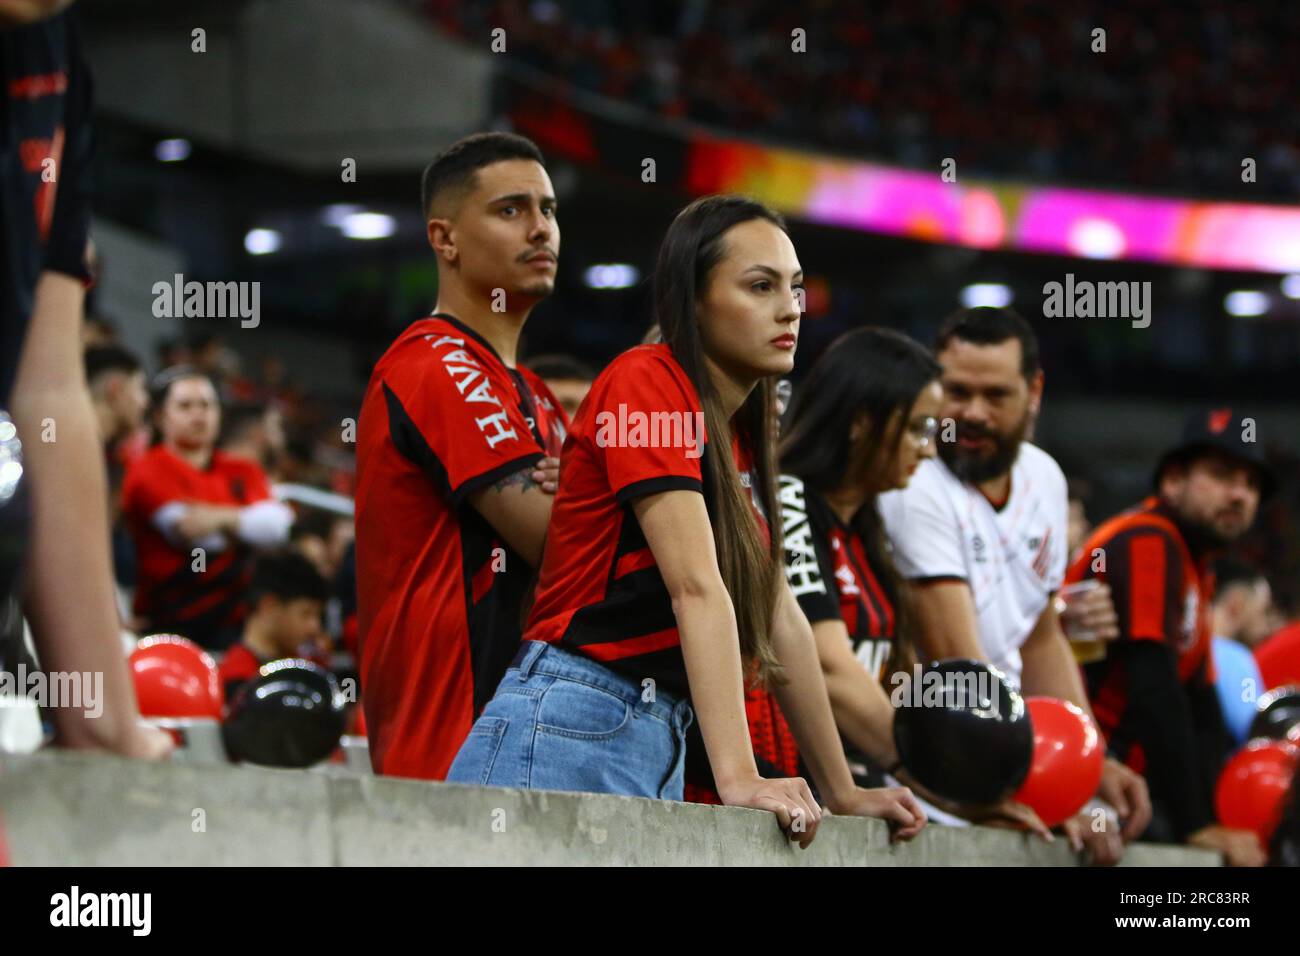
[
  {"x": 1096, "y": 238},
  {"x": 995, "y": 294},
  {"x": 336, "y": 213},
  {"x": 368, "y": 225},
  {"x": 261, "y": 242},
  {"x": 172, "y": 150},
  {"x": 611, "y": 275},
  {"x": 1245, "y": 303}
]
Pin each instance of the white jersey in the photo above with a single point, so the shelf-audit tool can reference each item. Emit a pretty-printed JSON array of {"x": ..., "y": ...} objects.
[{"x": 1012, "y": 557}]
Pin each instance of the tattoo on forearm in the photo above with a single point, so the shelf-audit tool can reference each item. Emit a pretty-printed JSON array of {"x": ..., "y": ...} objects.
[{"x": 523, "y": 478}]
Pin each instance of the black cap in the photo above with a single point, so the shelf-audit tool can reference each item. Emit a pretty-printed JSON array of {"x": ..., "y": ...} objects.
[{"x": 1223, "y": 430}]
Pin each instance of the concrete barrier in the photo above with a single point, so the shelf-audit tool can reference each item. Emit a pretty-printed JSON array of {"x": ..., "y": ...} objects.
[{"x": 69, "y": 809}]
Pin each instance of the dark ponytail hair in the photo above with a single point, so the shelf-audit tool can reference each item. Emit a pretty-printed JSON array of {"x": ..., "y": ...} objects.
[
  {"x": 872, "y": 377},
  {"x": 692, "y": 248}
]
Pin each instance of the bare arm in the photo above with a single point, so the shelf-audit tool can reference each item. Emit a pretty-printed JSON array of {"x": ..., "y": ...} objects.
[
  {"x": 1049, "y": 668},
  {"x": 861, "y": 707},
  {"x": 69, "y": 599},
  {"x": 672, "y": 522},
  {"x": 263, "y": 524},
  {"x": 518, "y": 508},
  {"x": 806, "y": 706},
  {"x": 677, "y": 529},
  {"x": 946, "y": 622}
]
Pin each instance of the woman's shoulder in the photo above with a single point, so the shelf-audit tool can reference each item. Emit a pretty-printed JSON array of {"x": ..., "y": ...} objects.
[
  {"x": 653, "y": 358},
  {"x": 652, "y": 364}
]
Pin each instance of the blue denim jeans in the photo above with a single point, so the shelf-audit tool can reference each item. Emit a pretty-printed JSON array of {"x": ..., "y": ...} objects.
[{"x": 561, "y": 721}]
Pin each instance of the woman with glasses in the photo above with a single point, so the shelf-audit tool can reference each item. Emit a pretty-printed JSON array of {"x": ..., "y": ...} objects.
[{"x": 859, "y": 425}]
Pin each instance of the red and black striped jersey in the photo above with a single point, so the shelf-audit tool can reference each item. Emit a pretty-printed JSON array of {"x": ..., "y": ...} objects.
[
  {"x": 828, "y": 570},
  {"x": 1161, "y": 593},
  {"x": 639, "y": 432},
  {"x": 439, "y": 593},
  {"x": 177, "y": 591}
]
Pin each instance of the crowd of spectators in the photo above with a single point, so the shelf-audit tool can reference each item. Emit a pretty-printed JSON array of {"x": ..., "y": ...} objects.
[
  {"x": 248, "y": 433},
  {"x": 1180, "y": 96},
  {"x": 209, "y": 539}
]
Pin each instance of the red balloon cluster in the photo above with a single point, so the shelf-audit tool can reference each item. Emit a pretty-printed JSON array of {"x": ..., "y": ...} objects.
[
  {"x": 1253, "y": 785},
  {"x": 174, "y": 677},
  {"x": 291, "y": 714},
  {"x": 1067, "y": 762}
]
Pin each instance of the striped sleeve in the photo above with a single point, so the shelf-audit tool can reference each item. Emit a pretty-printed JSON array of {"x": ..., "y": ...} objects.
[{"x": 1143, "y": 569}]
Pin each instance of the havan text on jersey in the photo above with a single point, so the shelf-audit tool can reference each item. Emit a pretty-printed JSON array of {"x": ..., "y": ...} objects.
[{"x": 472, "y": 383}]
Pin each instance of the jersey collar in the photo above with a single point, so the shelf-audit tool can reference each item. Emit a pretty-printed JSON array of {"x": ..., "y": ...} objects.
[{"x": 452, "y": 320}]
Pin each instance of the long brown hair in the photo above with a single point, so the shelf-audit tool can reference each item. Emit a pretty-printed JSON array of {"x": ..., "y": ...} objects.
[
  {"x": 690, "y": 251},
  {"x": 870, "y": 376}
]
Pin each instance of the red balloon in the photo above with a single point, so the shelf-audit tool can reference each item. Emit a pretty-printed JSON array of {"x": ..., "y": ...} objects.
[
  {"x": 1068, "y": 754},
  {"x": 174, "y": 677},
  {"x": 1253, "y": 785}
]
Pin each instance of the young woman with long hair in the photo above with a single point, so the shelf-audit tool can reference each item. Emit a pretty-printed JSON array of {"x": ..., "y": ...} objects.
[
  {"x": 860, "y": 423},
  {"x": 660, "y": 592}
]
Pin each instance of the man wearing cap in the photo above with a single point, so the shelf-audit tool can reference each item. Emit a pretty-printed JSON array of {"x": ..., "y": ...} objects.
[{"x": 1153, "y": 693}]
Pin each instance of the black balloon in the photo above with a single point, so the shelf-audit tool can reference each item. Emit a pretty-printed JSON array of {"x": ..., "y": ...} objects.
[
  {"x": 290, "y": 715},
  {"x": 963, "y": 733},
  {"x": 1277, "y": 712}
]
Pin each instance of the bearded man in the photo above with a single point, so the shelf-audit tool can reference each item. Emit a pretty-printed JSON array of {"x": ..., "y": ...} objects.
[
  {"x": 981, "y": 532},
  {"x": 1154, "y": 691}
]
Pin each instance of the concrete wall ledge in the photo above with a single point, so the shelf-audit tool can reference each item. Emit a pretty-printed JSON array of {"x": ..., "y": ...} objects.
[{"x": 70, "y": 809}]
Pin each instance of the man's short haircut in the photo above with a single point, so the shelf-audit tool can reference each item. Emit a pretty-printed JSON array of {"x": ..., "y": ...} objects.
[
  {"x": 991, "y": 325},
  {"x": 238, "y": 417},
  {"x": 560, "y": 367},
  {"x": 101, "y": 359},
  {"x": 288, "y": 576},
  {"x": 1233, "y": 571},
  {"x": 454, "y": 170},
  {"x": 104, "y": 326}
]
